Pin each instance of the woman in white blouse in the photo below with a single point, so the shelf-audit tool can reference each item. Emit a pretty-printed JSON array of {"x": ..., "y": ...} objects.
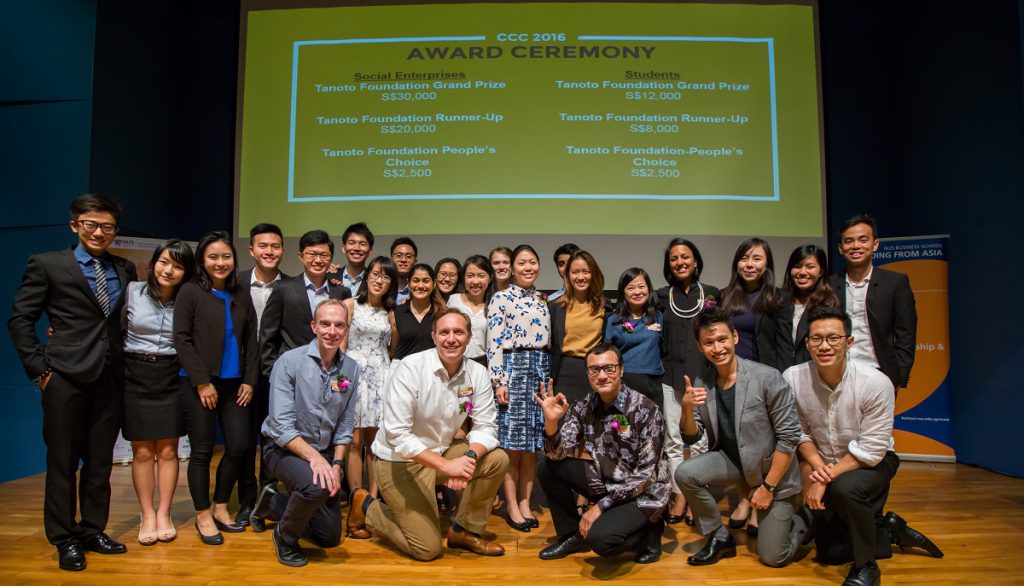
[{"x": 477, "y": 284}]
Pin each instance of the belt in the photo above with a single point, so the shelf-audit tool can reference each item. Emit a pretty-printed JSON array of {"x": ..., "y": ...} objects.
[{"x": 151, "y": 357}]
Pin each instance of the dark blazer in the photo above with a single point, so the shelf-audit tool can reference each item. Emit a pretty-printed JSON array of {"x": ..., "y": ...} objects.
[
  {"x": 557, "y": 311},
  {"x": 82, "y": 336},
  {"x": 766, "y": 422},
  {"x": 286, "y": 318},
  {"x": 775, "y": 337},
  {"x": 892, "y": 320},
  {"x": 199, "y": 333}
]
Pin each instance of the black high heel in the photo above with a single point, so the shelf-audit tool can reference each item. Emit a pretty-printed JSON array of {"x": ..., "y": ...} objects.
[{"x": 216, "y": 539}]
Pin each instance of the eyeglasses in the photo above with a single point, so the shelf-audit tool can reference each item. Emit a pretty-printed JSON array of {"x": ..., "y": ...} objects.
[
  {"x": 833, "y": 341},
  {"x": 605, "y": 368},
  {"x": 317, "y": 255},
  {"x": 375, "y": 276},
  {"x": 403, "y": 256},
  {"x": 89, "y": 226},
  {"x": 447, "y": 275}
]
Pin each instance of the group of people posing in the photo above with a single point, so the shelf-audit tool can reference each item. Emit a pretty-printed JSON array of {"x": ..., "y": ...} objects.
[{"x": 393, "y": 383}]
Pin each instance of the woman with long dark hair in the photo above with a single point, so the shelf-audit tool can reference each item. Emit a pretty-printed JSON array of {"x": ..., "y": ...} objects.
[
  {"x": 681, "y": 301},
  {"x": 577, "y": 324},
  {"x": 152, "y": 410},
  {"x": 518, "y": 335},
  {"x": 635, "y": 329},
  {"x": 369, "y": 338},
  {"x": 413, "y": 322},
  {"x": 215, "y": 337},
  {"x": 806, "y": 285},
  {"x": 477, "y": 286}
]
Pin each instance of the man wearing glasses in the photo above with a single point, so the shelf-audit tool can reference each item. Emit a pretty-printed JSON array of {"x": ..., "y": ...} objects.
[
  {"x": 403, "y": 254},
  {"x": 608, "y": 450},
  {"x": 80, "y": 373},
  {"x": 846, "y": 414}
]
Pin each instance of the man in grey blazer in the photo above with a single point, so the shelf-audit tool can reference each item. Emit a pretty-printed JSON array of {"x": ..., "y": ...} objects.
[{"x": 749, "y": 414}]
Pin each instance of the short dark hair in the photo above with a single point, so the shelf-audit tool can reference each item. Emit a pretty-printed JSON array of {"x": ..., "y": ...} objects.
[
  {"x": 567, "y": 248},
  {"x": 715, "y": 314},
  {"x": 859, "y": 219},
  {"x": 603, "y": 348},
  {"x": 406, "y": 241},
  {"x": 831, "y": 312},
  {"x": 93, "y": 202},
  {"x": 315, "y": 237},
  {"x": 180, "y": 253},
  {"x": 264, "y": 228},
  {"x": 666, "y": 268},
  {"x": 359, "y": 228},
  {"x": 202, "y": 278},
  {"x": 622, "y": 305}
]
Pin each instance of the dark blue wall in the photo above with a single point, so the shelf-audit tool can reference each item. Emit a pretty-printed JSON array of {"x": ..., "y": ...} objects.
[{"x": 923, "y": 109}]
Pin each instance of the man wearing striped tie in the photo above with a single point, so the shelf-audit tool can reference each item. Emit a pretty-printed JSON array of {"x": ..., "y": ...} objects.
[{"x": 79, "y": 371}]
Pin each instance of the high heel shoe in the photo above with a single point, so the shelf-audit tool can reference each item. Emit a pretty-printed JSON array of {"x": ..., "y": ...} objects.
[
  {"x": 148, "y": 538},
  {"x": 216, "y": 539}
]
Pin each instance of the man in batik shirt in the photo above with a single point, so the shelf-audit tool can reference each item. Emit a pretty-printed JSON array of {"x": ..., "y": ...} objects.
[{"x": 608, "y": 450}]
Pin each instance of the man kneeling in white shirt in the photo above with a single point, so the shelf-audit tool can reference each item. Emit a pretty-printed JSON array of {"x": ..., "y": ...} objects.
[{"x": 426, "y": 401}]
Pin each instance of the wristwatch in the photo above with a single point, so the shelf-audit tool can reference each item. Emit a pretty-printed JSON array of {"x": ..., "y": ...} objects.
[
  {"x": 470, "y": 454},
  {"x": 338, "y": 463},
  {"x": 769, "y": 487}
]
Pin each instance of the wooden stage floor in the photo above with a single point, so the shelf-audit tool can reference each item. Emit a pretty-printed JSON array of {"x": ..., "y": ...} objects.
[{"x": 975, "y": 516}]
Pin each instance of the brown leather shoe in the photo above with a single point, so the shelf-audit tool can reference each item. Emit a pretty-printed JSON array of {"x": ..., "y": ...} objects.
[
  {"x": 356, "y": 517},
  {"x": 470, "y": 541}
]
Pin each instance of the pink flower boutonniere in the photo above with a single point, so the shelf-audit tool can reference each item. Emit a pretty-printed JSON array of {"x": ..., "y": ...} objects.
[
  {"x": 628, "y": 327},
  {"x": 340, "y": 384},
  {"x": 466, "y": 407},
  {"x": 621, "y": 424},
  {"x": 710, "y": 302}
]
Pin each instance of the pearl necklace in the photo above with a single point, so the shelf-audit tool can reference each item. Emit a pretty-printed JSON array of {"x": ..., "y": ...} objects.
[{"x": 687, "y": 313}]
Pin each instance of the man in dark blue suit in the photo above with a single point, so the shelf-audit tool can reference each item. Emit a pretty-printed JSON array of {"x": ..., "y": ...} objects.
[{"x": 79, "y": 371}]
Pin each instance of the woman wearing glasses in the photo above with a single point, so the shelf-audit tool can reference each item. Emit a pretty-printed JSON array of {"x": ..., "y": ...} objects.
[
  {"x": 518, "y": 334},
  {"x": 215, "y": 337},
  {"x": 369, "y": 337},
  {"x": 447, "y": 271},
  {"x": 807, "y": 288}
]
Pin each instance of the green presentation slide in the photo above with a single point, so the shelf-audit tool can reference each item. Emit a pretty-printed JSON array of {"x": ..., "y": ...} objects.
[{"x": 536, "y": 118}]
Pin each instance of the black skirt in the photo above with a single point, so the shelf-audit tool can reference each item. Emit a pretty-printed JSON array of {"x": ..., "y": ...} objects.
[
  {"x": 647, "y": 385},
  {"x": 572, "y": 379},
  {"x": 152, "y": 409}
]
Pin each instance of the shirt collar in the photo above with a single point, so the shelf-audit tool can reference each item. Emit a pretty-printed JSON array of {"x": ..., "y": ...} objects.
[
  {"x": 313, "y": 351},
  {"x": 83, "y": 256},
  {"x": 356, "y": 279},
  {"x": 258, "y": 283},
  {"x": 867, "y": 278},
  {"x": 311, "y": 287},
  {"x": 619, "y": 404},
  {"x": 437, "y": 367},
  {"x": 843, "y": 382}
]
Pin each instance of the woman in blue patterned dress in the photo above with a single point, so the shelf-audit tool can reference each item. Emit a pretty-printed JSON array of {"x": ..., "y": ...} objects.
[{"x": 518, "y": 335}]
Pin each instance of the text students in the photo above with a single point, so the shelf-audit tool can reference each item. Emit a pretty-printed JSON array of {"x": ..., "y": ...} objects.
[
  {"x": 79, "y": 371},
  {"x": 215, "y": 335},
  {"x": 880, "y": 303}
]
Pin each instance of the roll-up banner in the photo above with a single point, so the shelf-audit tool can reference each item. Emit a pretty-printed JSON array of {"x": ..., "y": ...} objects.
[{"x": 923, "y": 430}]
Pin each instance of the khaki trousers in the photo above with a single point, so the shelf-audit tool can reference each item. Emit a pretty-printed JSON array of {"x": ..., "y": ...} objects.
[{"x": 410, "y": 520}]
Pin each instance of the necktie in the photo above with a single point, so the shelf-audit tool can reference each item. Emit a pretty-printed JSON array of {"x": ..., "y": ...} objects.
[{"x": 102, "y": 295}]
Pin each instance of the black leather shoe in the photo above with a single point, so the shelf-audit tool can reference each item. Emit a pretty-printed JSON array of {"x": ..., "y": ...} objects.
[
  {"x": 647, "y": 556},
  {"x": 215, "y": 539},
  {"x": 102, "y": 543},
  {"x": 229, "y": 527},
  {"x": 523, "y": 527},
  {"x": 865, "y": 575},
  {"x": 262, "y": 509},
  {"x": 71, "y": 557},
  {"x": 242, "y": 517},
  {"x": 532, "y": 522},
  {"x": 649, "y": 550},
  {"x": 287, "y": 554},
  {"x": 713, "y": 550},
  {"x": 568, "y": 546},
  {"x": 906, "y": 537}
]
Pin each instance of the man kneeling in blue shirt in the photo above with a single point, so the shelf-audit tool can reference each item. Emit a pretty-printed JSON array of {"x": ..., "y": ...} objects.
[{"x": 312, "y": 409}]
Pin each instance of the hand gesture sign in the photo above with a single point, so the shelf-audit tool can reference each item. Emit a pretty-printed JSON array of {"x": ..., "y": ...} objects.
[
  {"x": 555, "y": 406},
  {"x": 693, "y": 397}
]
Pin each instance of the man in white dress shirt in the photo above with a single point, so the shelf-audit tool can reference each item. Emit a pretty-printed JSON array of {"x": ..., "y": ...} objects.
[
  {"x": 428, "y": 398},
  {"x": 846, "y": 417}
]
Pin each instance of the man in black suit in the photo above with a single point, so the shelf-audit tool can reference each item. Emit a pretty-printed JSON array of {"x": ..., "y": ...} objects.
[
  {"x": 266, "y": 247},
  {"x": 79, "y": 371},
  {"x": 880, "y": 303}
]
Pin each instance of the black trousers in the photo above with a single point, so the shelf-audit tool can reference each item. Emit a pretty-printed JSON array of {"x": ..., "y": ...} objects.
[
  {"x": 235, "y": 423},
  {"x": 852, "y": 528},
  {"x": 309, "y": 511},
  {"x": 80, "y": 424},
  {"x": 621, "y": 528},
  {"x": 248, "y": 488}
]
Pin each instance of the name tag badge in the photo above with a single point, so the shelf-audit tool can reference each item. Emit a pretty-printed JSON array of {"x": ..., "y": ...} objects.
[{"x": 465, "y": 391}]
